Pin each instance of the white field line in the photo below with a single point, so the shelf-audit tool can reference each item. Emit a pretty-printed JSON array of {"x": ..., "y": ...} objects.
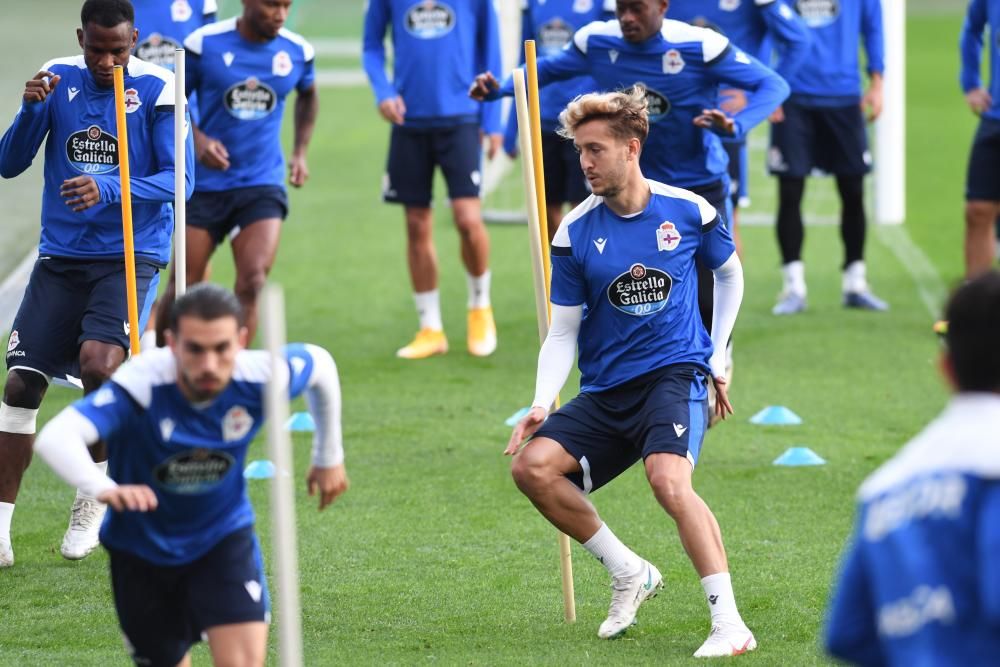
[
  {"x": 337, "y": 48},
  {"x": 12, "y": 290},
  {"x": 930, "y": 287}
]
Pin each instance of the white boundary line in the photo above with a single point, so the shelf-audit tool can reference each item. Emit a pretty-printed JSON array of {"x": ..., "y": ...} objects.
[
  {"x": 12, "y": 290},
  {"x": 931, "y": 288}
]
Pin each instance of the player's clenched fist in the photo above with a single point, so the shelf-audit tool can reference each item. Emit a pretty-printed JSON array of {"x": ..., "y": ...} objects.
[{"x": 38, "y": 88}]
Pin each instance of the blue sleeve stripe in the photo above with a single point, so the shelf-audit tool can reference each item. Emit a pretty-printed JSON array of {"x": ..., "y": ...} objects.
[
  {"x": 722, "y": 54},
  {"x": 561, "y": 251}
]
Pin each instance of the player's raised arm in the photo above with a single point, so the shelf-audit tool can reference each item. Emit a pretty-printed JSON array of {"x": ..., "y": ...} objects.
[
  {"x": 21, "y": 141},
  {"x": 732, "y": 66},
  {"x": 790, "y": 36}
]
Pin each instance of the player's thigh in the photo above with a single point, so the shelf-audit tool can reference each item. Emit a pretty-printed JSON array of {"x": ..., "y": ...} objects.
[
  {"x": 792, "y": 143},
  {"x": 842, "y": 141},
  {"x": 256, "y": 246},
  {"x": 982, "y": 181},
  {"x": 238, "y": 645},
  {"x": 674, "y": 415},
  {"x": 106, "y": 318},
  {"x": 409, "y": 169},
  {"x": 458, "y": 152},
  {"x": 212, "y": 214},
  {"x": 227, "y": 585}
]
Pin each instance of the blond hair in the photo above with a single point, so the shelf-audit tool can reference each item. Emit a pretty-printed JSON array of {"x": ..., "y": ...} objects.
[{"x": 625, "y": 110}]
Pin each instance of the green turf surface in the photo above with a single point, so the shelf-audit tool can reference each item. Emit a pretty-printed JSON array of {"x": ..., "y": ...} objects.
[{"x": 433, "y": 556}]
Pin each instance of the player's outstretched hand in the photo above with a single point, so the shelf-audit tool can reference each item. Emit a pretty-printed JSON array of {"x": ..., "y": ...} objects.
[
  {"x": 40, "y": 86},
  {"x": 715, "y": 119},
  {"x": 525, "y": 429},
  {"x": 484, "y": 85},
  {"x": 130, "y": 498},
  {"x": 80, "y": 192},
  {"x": 298, "y": 170},
  {"x": 393, "y": 110},
  {"x": 330, "y": 482},
  {"x": 979, "y": 100},
  {"x": 722, "y": 405}
]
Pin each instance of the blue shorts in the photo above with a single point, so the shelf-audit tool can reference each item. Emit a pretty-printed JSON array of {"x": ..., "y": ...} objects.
[
  {"x": 163, "y": 610},
  {"x": 69, "y": 301},
  {"x": 833, "y": 140},
  {"x": 665, "y": 410},
  {"x": 228, "y": 211},
  {"x": 413, "y": 154},
  {"x": 564, "y": 179},
  {"x": 981, "y": 182}
]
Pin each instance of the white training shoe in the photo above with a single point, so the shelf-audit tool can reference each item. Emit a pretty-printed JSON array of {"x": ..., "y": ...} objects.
[
  {"x": 627, "y": 593},
  {"x": 6, "y": 553},
  {"x": 84, "y": 526},
  {"x": 727, "y": 640}
]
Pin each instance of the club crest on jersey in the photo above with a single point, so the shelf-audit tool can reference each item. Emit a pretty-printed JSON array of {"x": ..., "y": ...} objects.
[
  {"x": 554, "y": 35},
  {"x": 236, "y": 424},
  {"x": 640, "y": 291},
  {"x": 250, "y": 100},
  {"x": 92, "y": 151},
  {"x": 658, "y": 105},
  {"x": 582, "y": 6},
  {"x": 673, "y": 63},
  {"x": 158, "y": 50},
  {"x": 194, "y": 471},
  {"x": 132, "y": 101},
  {"x": 281, "y": 64},
  {"x": 429, "y": 19},
  {"x": 180, "y": 11},
  {"x": 818, "y": 13},
  {"x": 729, "y": 5},
  {"x": 667, "y": 236}
]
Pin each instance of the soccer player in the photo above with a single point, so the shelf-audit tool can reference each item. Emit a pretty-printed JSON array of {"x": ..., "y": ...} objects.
[
  {"x": 178, "y": 421},
  {"x": 919, "y": 583},
  {"x": 73, "y": 319},
  {"x": 982, "y": 190},
  {"x": 626, "y": 257},
  {"x": 242, "y": 69},
  {"x": 551, "y": 23},
  {"x": 824, "y": 128},
  {"x": 438, "y": 47},
  {"x": 164, "y": 24}
]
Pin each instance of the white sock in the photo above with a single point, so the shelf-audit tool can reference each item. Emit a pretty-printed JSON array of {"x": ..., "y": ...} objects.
[
  {"x": 429, "y": 309},
  {"x": 721, "y": 601},
  {"x": 619, "y": 560},
  {"x": 794, "y": 274},
  {"x": 147, "y": 341},
  {"x": 855, "y": 277},
  {"x": 6, "y": 514},
  {"x": 479, "y": 289}
]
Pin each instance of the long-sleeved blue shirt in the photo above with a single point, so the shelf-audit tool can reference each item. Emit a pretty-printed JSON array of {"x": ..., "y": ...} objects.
[
  {"x": 682, "y": 67},
  {"x": 830, "y": 75},
  {"x": 439, "y": 47},
  {"x": 979, "y": 14},
  {"x": 78, "y": 119}
]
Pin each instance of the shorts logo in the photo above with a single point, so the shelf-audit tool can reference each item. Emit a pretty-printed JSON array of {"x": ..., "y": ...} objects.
[
  {"x": 667, "y": 236},
  {"x": 251, "y": 99},
  {"x": 429, "y": 19},
  {"x": 13, "y": 341},
  {"x": 818, "y": 13},
  {"x": 194, "y": 471},
  {"x": 132, "y": 101},
  {"x": 254, "y": 589},
  {"x": 554, "y": 35},
  {"x": 236, "y": 424},
  {"x": 281, "y": 64},
  {"x": 640, "y": 290},
  {"x": 673, "y": 63},
  {"x": 476, "y": 178},
  {"x": 729, "y": 5},
  {"x": 92, "y": 151},
  {"x": 659, "y": 105},
  {"x": 776, "y": 160},
  {"x": 158, "y": 50},
  {"x": 180, "y": 11}
]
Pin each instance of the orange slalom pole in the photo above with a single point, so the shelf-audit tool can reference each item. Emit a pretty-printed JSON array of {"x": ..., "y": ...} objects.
[
  {"x": 123, "y": 171},
  {"x": 535, "y": 113}
]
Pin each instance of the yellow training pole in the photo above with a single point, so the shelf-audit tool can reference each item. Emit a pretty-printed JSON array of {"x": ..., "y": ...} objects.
[
  {"x": 535, "y": 113},
  {"x": 539, "y": 243},
  {"x": 130, "y": 286}
]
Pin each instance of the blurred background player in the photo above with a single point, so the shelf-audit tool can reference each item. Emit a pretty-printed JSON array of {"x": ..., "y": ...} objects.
[
  {"x": 438, "y": 46},
  {"x": 551, "y": 23},
  {"x": 242, "y": 69},
  {"x": 73, "y": 319},
  {"x": 645, "y": 361},
  {"x": 184, "y": 557},
  {"x": 919, "y": 583},
  {"x": 982, "y": 189},
  {"x": 759, "y": 27},
  {"x": 824, "y": 128}
]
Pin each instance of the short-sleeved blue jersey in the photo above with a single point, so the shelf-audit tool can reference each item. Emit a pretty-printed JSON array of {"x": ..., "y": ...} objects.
[
  {"x": 636, "y": 278},
  {"x": 164, "y": 24},
  {"x": 191, "y": 455},
  {"x": 77, "y": 122},
  {"x": 241, "y": 88},
  {"x": 980, "y": 14}
]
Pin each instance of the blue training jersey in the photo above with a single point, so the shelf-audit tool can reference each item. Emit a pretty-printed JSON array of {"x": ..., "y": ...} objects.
[
  {"x": 682, "y": 67},
  {"x": 439, "y": 47},
  {"x": 241, "y": 88},
  {"x": 164, "y": 24},
  {"x": 830, "y": 75},
  {"x": 192, "y": 456},
  {"x": 980, "y": 14},
  {"x": 919, "y": 584},
  {"x": 77, "y": 123},
  {"x": 636, "y": 278}
]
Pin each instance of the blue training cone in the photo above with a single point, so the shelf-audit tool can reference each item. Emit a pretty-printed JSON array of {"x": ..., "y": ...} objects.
[
  {"x": 776, "y": 415},
  {"x": 799, "y": 456},
  {"x": 516, "y": 417},
  {"x": 300, "y": 421},
  {"x": 263, "y": 469}
]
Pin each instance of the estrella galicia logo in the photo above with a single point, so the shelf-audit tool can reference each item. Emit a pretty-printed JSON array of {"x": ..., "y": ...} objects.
[
  {"x": 251, "y": 99},
  {"x": 554, "y": 35},
  {"x": 659, "y": 105},
  {"x": 818, "y": 13},
  {"x": 640, "y": 291},
  {"x": 92, "y": 151},
  {"x": 194, "y": 471},
  {"x": 157, "y": 49},
  {"x": 429, "y": 19}
]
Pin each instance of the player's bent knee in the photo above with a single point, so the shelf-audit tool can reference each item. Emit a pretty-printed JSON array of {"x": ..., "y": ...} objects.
[
  {"x": 24, "y": 389},
  {"x": 94, "y": 371},
  {"x": 22, "y": 421},
  {"x": 672, "y": 492},
  {"x": 981, "y": 213},
  {"x": 250, "y": 283},
  {"x": 530, "y": 472}
]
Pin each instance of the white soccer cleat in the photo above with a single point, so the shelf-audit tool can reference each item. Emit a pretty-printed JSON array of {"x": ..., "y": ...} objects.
[
  {"x": 726, "y": 640},
  {"x": 82, "y": 536},
  {"x": 6, "y": 554},
  {"x": 789, "y": 303},
  {"x": 627, "y": 593}
]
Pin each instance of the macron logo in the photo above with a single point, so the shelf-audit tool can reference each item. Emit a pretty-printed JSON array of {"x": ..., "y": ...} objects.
[
  {"x": 228, "y": 57},
  {"x": 679, "y": 429},
  {"x": 613, "y": 55},
  {"x": 166, "y": 428},
  {"x": 599, "y": 244},
  {"x": 72, "y": 92},
  {"x": 254, "y": 589}
]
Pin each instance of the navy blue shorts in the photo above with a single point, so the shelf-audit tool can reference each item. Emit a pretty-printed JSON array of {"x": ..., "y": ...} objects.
[
  {"x": 665, "y": 410},
  {"x": 69, "y": 301},
  {"x": 228, "y": 211},
  {"x": 981, "y": 182},
  {"x": 413, "y": 154},
  {"x": 564, "y": 179},
  {"x": 163, "y": 611},
  {"x": 833, "y": 140}
]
